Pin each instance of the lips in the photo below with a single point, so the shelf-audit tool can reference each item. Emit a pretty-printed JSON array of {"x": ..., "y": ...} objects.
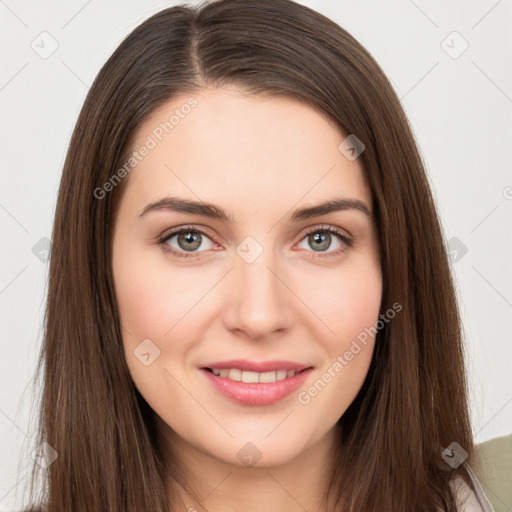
[
  {"x": 256, "y": 383},
  {"x": 255, "y": 366}
]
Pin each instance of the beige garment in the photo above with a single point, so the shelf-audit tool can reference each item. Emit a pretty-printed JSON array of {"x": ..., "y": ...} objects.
[
  {"x": 470, "y": 499},
  {"x": 495, "y": 460}
]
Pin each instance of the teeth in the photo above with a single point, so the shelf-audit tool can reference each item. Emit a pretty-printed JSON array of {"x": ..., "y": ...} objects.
[
  {"x": 235, "y": 375},
  {"x": 250, "y": 377},
  {"x": 268, "y": 377},
  {"x": 253, "y": 377}
]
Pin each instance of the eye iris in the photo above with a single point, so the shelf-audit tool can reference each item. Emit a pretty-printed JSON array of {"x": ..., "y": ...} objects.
[
  {"x": 323, "y": 238},
  {"x": 189, "y": 238}
]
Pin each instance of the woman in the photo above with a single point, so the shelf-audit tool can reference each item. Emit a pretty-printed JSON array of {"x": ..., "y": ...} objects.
[{"x": 250, "y": 304}]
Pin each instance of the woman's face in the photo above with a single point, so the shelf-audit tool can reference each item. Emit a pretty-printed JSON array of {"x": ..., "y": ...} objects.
[{"x": 256, "y": 287}]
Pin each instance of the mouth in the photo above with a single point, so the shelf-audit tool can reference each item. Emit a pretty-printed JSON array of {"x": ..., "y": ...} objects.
[
  {"x": 241, "y": 381},
  {"x": 249, "y": 377}
]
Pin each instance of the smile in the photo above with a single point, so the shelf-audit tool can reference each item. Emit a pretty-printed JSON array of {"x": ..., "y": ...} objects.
[
  {"x": 245, "y": 376},
  {"x": 252, "y": 383}
]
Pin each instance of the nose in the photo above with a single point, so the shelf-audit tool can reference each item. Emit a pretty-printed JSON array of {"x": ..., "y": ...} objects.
[{"x": 258, "y": 301}]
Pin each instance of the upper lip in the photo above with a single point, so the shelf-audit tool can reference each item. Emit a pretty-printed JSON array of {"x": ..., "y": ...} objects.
[{"x": 257, "y": 366}]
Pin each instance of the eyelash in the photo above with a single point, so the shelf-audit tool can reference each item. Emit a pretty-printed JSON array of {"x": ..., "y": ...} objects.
[{"x": 343, "y": 237}]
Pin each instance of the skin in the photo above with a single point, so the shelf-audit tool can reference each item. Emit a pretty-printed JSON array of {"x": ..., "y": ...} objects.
[{"x": 259, "y": 158}]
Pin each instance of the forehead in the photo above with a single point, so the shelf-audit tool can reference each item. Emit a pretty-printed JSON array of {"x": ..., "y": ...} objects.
[{"x": 232, "y": 148}]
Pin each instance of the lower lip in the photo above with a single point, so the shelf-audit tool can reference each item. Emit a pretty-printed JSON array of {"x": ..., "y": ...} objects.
[{"x": 256, "y": 393}]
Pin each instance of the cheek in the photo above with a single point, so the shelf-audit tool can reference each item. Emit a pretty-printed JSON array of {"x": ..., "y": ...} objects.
[
  {"x": 346, "y": 300},
  {"x": 354, "y": 321},
  {"x": 158, "y": 304},
  {"x": 151, "y": 297},
  {"x": 148, "y": 309},
  {"x": 348, "y": 303},
  {"x": 139, "y": 301},
  {"x": 143, "y": 293}
]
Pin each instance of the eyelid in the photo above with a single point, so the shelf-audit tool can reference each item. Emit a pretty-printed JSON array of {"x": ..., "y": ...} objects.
[
  {"x": 190, "y": 227},
  {"x": 329, "y": 228}
]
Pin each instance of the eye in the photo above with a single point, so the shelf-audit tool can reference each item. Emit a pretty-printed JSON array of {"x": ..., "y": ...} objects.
[
  {"x": 187, "y": 240},
  {"x": 320, "y": 239}
]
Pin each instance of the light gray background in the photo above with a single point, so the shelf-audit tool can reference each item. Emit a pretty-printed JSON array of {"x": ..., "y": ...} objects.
[{"x": 459, "y": 105}]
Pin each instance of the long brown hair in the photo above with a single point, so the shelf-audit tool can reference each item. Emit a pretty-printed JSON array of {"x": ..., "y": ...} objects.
[{"x": 414, "y": 400}]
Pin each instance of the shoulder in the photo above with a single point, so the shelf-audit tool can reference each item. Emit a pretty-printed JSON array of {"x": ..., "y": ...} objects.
[
  {"x": 470, "y": 498},
  {"x": 495, "y": 461}
]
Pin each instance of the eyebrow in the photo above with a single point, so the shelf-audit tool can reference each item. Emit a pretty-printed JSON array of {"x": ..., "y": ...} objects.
[{"x": 212, "y": 211}]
